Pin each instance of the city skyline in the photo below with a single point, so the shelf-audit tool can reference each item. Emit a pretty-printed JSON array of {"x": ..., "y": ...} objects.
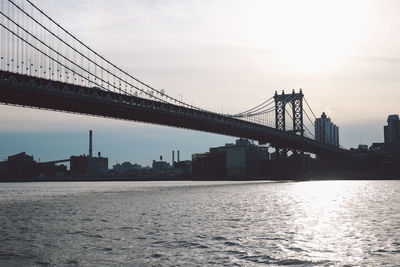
[{"x": 241, "y": 60}]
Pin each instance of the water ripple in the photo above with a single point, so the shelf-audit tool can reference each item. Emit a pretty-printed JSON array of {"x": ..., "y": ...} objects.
[{"x": 335, "y": 223}]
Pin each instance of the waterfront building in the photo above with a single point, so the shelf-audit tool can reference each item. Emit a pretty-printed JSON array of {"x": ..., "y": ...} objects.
[
  {"x": 326, "y": 131},
  {"x": 362, "y": 148},
  {"x": 201, "y": 165},
  {"x": 185, "y": 166},
  {"x": 99, "y": 164},
  {"x": 126, "y": 166},
  {"x": 160, "y": 165},
  {"x": 80, "y": 164},
  {"x": 376, "y": 147},
  {"x": 20, "y": 166},
  {"x": 392, "y": 131},
  {"x": 83, "y": 164},
  {"x": 242, "y": 159}
]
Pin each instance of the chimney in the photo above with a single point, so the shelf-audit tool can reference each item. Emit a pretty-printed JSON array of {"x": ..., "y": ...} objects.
[
  {"x": 178, "y": 155},
  {"x": 99, "y": 154},
  {"x": 173, "y": 157},
  {"x": 90, "y": 144},
  {"x": 90, "y": 152},
  {"x": 160, "y": 158}
]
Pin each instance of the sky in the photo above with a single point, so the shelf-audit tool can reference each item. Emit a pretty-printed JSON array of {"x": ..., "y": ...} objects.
[{"x": 223, "y": 56}]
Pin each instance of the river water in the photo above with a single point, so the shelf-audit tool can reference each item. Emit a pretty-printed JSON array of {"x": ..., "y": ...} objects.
[{"x": 319, "y": 223}]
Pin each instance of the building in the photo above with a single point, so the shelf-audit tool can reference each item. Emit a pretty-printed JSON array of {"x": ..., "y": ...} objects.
[
  {"x": 20, "y": 166},
  {"x": 242, "y": 159},
  {"x": 160, "y": 165},
  {"x": 83, "y": 164},
  {"x": 80, "y": 164},
  {"x": 99, "y": 164},
  {"x": 185, "y": 166},
  {"x": 392, "y": 131},
  {"x": 126, "y": 166},
  {"x": 376, "y": 147},
  {"x": 362, "y": 148},
  {"x": 50, "y": 169},
  {"x": 201, "y": 165},
  {"x": 326, "y": 131}
]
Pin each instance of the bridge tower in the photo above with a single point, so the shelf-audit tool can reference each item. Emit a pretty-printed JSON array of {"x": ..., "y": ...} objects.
[{"x": 295, "y": 101}]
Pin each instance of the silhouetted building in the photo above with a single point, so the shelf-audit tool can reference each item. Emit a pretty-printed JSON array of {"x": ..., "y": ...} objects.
[
  {"x": 160, "y": 165},
  {"x": 20, "y": 166},
  {"x": 392, "y": 131},
  {"x": 242, "y": 159},
  {"x": 21, "y": 158},
  {"x": 49, "y": 169},
  {"x": 99, "y": 164},
  {"x": 185, "y": 166},
  {"x": 126, "y": 166},
  {"x": 217, "y": 166},
  {"x": 362, "y": 148},
  {"x": 376, "y": 147},
  {"x": 88, "y": 164},
  {"x": 325, "y": 131},
  {"x": 201, "y": 165},
  {"x": 3, "y": 170},
  {"x": 80, "y": 164}
]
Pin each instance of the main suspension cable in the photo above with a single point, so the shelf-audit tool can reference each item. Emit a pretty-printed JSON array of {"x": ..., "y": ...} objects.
[{"x": 107, "y": 61}]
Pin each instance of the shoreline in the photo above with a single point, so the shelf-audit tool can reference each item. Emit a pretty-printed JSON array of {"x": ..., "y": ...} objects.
[{"x": 241, "y": 179}]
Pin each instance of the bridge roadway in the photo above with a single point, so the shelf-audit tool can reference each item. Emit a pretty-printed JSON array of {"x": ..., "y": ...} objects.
[{"x": 34, "y": 92}]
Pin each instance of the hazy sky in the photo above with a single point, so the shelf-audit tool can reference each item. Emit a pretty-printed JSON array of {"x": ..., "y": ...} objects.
[{"x": 228, "y": 55}]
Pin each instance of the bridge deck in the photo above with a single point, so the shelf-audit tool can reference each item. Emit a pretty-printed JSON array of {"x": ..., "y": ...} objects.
[{"x": 23, "y": 90}]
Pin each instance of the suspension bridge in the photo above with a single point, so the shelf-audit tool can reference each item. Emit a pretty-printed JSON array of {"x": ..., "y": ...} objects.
[{"x": 45, "y": 66}]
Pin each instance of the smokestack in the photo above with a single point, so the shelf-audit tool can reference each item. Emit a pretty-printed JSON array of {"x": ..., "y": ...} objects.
[
  {"x": 178, "y": 155},
  {"x": 90, "y": 152},
  {"x": 90, "y": 144},
  {"x": 173, "y": 157},
  {"x": 160, "y": 158}
]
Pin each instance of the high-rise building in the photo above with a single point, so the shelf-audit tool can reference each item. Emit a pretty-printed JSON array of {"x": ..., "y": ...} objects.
[
  {"x": 326, "y": 131},
  {"x": 392, "y": 131}
]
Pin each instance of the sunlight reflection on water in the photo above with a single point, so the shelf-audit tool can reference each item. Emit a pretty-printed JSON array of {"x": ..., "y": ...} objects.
[{"x": 201, "y": 223}]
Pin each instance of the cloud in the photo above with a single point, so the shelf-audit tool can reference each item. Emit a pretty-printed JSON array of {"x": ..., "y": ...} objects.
[{"x": 375, "y": 58}]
